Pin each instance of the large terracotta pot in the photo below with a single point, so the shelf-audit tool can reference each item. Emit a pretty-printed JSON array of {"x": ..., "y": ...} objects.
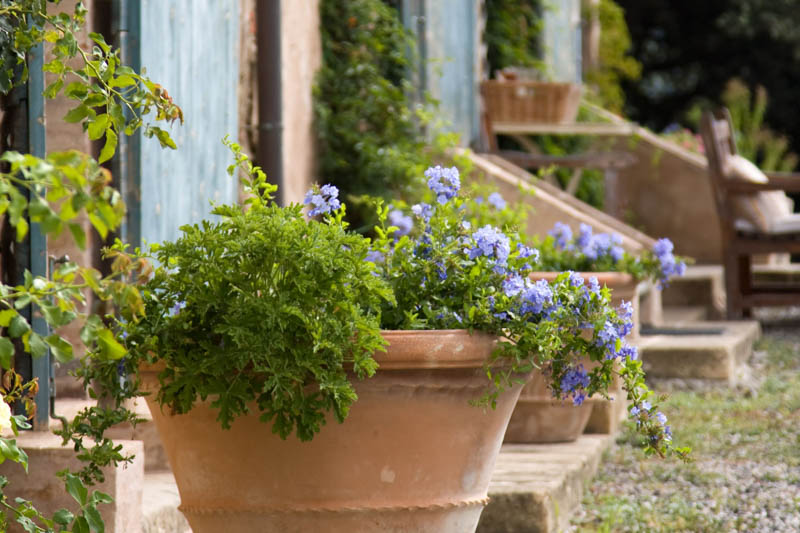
[
  {"x": 540, "y": 418},
  {"x": 413, "y": 455}
]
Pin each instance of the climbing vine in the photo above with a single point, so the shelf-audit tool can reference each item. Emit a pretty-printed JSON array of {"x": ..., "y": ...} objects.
[{"x": 55, "y": 192}]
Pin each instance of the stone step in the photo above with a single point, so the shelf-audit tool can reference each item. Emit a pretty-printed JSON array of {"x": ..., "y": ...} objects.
[
  {"x": 535, "y": 488},
  {"x": 160, "y": 503},
  {"x": 714, "y": 353},
  {"x": 46, "y": 457},
  {"x": 702, "y": 286},
  {"x": 682, "y": 314}
]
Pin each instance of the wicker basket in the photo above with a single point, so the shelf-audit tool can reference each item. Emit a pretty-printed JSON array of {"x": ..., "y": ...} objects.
[{"x": 521, "y": 101}]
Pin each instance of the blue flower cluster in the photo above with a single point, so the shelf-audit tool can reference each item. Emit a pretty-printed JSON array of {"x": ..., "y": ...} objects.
[
  {"x": 444, "y": 182},
  {"x": 669, "y": 265},
  {"x": 645, "y": 412},
  {"x": 423, "y": 210},
  {"x": 593, "y": 245},
  {"x": 403, "y": 222},
  {"x": 492, "y": 243},
  {"x": 496, "y": 201},
  {"x": 324, "y": 200},
  {"x": 574, "y": 382}
]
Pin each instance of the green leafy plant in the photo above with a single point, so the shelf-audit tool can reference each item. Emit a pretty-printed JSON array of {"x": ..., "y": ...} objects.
[
  {"x": 54, "y": 192},
  {"x": 372, "y": 136},
  {"x": 512, "y": 33},
  {"x": 754, "y": 139},
  {"x": 265, "y": 306},
  {"x": 615, "y": 63},
  {"x": 447, "y": 274}
]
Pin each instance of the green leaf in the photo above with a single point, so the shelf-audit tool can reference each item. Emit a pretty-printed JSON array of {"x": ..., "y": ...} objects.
[
  {"x": 37, "y": 344},
  {"x": 76, "y": 489},
  {"x": 62, "y": 517},
  {"x": 76, "y": 90},
  {"x": 94, "y": 519},
  {"x": 98, "y": 126},
  {"x": 52, "y": 90},
  {"x": 6, "y": 352},
  {"x": 77, "y": 114},
  {"x": 109, "y": 148},
  {"x": 80, "y": 525},
  {"x": 96, "y": 37},
  {"x": 5, "y": 317},
  {"x": 60, "y": 348},
  {"x": 78, "y": 234},
  {"x": 109, "y": 347},
  {"x": 18, "y": 326}
]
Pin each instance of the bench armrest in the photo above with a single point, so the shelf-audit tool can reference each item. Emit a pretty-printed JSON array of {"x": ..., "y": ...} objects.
[{"x": 787, "y": 182}]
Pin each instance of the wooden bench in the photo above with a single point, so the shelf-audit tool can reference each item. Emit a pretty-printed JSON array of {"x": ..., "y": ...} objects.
[{"x": 754, "y": 218}]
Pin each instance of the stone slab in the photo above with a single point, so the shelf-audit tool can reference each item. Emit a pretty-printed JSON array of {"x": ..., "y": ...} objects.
[
  {"x": 536, "y": 487},
  {"x": 41, "y": 486},
  {"x": 682, "y": 314},
  {"x": 160, "y": 503},
  {"x": 714, "y": 357},
  {"x": 701, "y": 286}
]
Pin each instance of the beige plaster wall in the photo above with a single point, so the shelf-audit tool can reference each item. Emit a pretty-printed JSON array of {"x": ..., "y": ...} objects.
[{"x": 301, "y": 56}]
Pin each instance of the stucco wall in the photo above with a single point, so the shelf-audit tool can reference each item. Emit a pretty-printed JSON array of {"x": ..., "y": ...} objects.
[{"x": 301, "y": 56}]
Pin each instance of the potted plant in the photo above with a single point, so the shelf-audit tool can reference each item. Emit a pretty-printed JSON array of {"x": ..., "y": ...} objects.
[
  {"x": 260, "y": 330},
  {"x": 600, "y": 261}
]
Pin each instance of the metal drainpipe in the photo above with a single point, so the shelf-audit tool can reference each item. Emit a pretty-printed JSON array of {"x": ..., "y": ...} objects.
[{"x": 270, "y": 127}]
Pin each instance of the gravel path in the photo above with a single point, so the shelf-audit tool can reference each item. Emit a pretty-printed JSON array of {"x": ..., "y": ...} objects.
[{"x": 746, "y": 480}]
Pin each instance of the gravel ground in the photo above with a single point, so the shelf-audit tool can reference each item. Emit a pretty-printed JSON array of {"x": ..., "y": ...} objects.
[{"x": 746, "y": 448}]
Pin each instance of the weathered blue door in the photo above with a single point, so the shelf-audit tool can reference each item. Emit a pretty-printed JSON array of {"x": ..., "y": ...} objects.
[
  {"x": 190, "y": 47},
  {"x": 446, "y": 32},
  {"x": 561, "y": 39}
]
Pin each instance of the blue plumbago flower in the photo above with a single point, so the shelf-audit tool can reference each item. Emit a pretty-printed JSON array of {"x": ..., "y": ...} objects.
[
  {"x": 423, "y": 210},
  {"x": 662, "y": 418},
  {"x": 444, "y": 182},
  {"x": 574, "y": 382},
  {"x": 536, "y": 297},
  {"x": 496, "y": 200},
  {"x": 575, "y": 279},
  {"x": 492, "y": 243},
  {"x": 607, "y": 336},
  {"x": 513, "y": 285},
  {"x": 177, "y": 308},
  {"x": 629, "y": 352},
  {"x": 323, "y": 200},
  {"x": 634, "y": 411},
  {"x": 669, "y": 265},
  {"x": 584, "y": 235},
  {"x": 625, "y": 310},
  {"x": 594, "y": 285},
  {"x": 526, "y": 252},
  {"x": 374, "y": 256},
  {"x": 563, "y": 235},
  {"x": 646, "y": 405},
  {"x": 403, "y": 222},
  {"x": 465, "y": 224},
  {"x": 602, "y": 244},
  {"x": 442, "y": 272},
  {"x": 663, "y": 247}
]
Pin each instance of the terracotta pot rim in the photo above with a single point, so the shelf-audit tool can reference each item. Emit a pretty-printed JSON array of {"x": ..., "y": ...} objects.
[{"x": 419, "y": 349}]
